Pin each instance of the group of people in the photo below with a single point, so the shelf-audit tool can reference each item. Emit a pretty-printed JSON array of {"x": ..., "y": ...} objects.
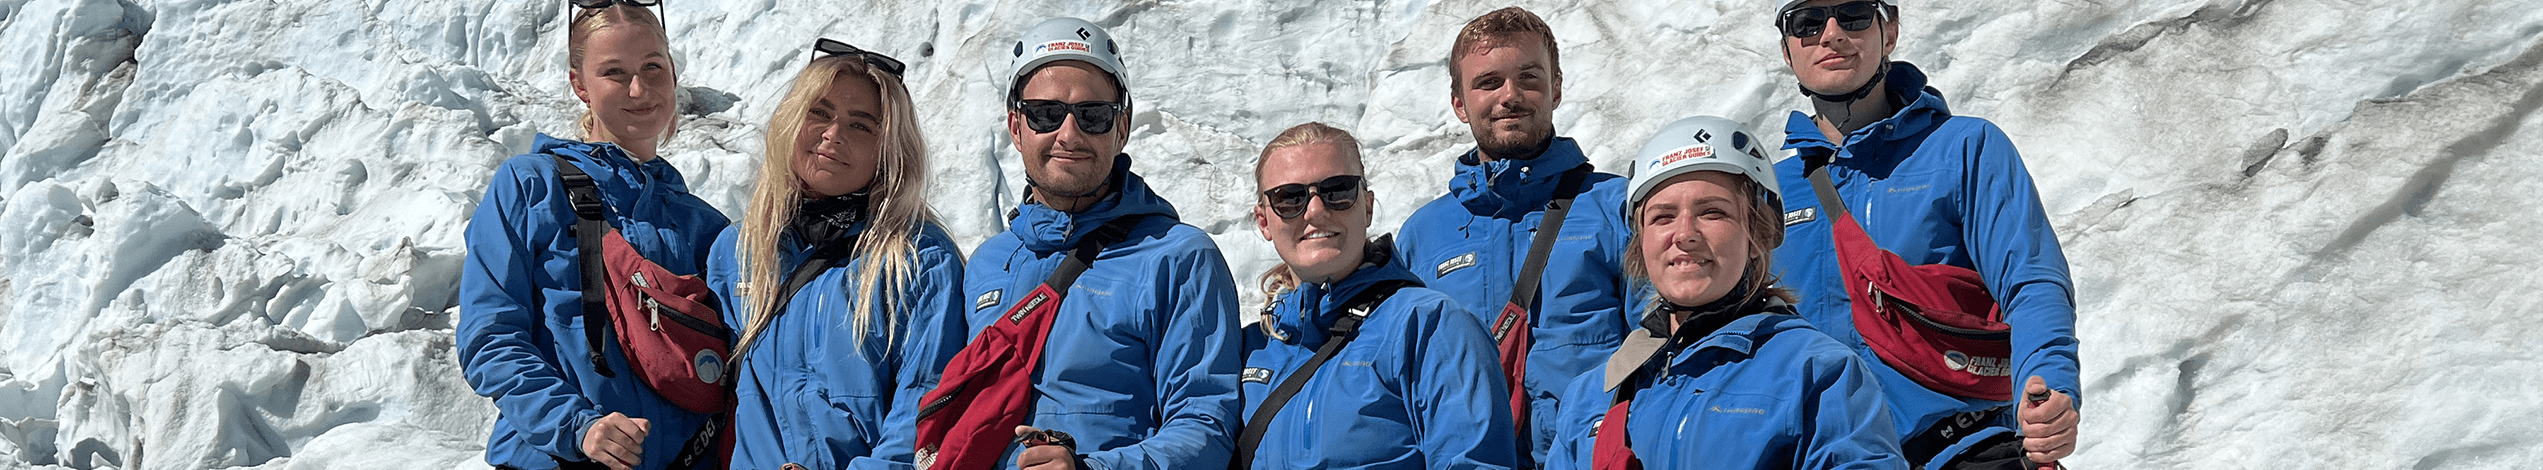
[{"x": 1694, "y": 312}]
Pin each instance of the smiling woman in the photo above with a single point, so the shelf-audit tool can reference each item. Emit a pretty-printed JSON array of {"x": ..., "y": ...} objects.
[
  {"x": 1722, "y": 374},
  {"x": 842, "y": 280},
  {"x": 1424, "y": 373},
  {"x": 529, "y": 337},
  {"x": 624, "y": 76}
]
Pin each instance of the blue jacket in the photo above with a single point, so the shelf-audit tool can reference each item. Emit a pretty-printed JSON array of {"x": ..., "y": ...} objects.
[
  {"x": 1418, "y": 387},
  {"x": 1764, "y": 391},
  {"x": 1141, "y": 363},
  {"x": 811, "y": 391},
  {"x": 1469, "y": 245},
  {"x": 521, "y": 326},
  {"x": 1936, "y": 189}
]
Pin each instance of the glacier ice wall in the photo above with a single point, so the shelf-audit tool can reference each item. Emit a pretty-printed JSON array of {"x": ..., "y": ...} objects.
[{"x": 2301, "y": 231}]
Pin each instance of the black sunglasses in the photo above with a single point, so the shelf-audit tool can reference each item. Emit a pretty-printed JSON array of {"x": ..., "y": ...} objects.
[
  {"x": 1288, "y": 201},
  {"x": 830, "y": 48},
  {"x": 607, "y": 3},
  {"x": 1810, "y": 21},
  {"x": 1093, "y": 117}
]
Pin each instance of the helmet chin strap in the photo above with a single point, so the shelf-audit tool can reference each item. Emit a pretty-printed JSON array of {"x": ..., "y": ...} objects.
[
  {"x": 1851, "y": 96},
  {"x": 1842, "y": 114}
]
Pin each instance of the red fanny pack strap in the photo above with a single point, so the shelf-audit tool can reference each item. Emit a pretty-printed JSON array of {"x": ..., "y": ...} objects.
[
  {"x": 587, "y": 232},
  {"x": 1611, "y": 451},
  {"x": 970, "y": 418},
  {"x": 1512, "y": 329}
]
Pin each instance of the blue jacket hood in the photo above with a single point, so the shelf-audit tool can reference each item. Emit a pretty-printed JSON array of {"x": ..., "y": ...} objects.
[
  {"x": 1510, "y": 188},
  {"x": 1802, "y": 135},
  {"x": 1044, "y": 230},
  {"x": 1307, "y": 313}
]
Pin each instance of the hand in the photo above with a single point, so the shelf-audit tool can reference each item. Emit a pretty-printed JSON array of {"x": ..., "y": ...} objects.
[
  {"x": 617, "y": 441},
  {"x": 1043, "y": 456},
  {"x": 2048, "y": 422}
]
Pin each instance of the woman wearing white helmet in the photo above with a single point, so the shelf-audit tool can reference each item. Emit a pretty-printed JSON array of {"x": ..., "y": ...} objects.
[{"x": 1722, "y": 373}]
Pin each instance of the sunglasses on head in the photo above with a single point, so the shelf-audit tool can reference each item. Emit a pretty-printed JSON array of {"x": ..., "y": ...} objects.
[
  {"x": 1810, "y": 21},
  {"x": 607, "y": 3},
  {"x": 1288, "y": 201},
  {"x": 1093, "y": 117},
  {"x": 830, "y": 48}
]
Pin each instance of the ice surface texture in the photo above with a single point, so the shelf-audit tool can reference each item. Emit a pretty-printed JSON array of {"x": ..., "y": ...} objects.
[{"x": 2302, "y": 232}]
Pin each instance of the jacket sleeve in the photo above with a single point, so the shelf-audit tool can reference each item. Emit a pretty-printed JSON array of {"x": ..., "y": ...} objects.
[
  {"x": 936, "y": 330},
  {"x": 1461, "y": 403},
  {"x": 1195, "y": 369},
  {"x": 2018, "y": 253},
  {"x": 501, "y": 351},
  {"x": 1845, "y": 420},
  {"x": 1583, "y": 406}
]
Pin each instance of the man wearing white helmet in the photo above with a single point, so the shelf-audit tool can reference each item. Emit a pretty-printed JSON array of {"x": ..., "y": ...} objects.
[
  {"x": 1722, "y": 373},
  {"x": 1109, "y": 318},
  {"x": 1938, "y": 191},
  {"x": 1476, "y": 243}
]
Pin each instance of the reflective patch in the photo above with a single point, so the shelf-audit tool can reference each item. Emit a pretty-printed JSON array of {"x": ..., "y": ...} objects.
[
  {"x": 1453, "y": 264},
  {"x": 1256, "y": 375},
  {"x": 709, "y": 366},
  {"x": 1803, "y": 215},
  {"x": 987, "y": 299}
]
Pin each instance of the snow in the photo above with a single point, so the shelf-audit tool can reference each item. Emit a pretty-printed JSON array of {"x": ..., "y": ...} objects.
[{"x": 2301, "y": 230}]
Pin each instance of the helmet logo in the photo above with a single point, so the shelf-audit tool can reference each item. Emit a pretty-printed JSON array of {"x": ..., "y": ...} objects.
[
  {"x": 1691, "y": 152},
  {"x": 1057, "y": 46},
  {"x": 1082, "y": 34},
  {"x": 1703, "y": 136}
]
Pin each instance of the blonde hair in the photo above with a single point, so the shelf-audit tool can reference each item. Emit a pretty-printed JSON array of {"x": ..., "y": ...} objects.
[
  {"x": 897, "y": 204},
  {"x": 1500, "y": 28},
  {"x": 589, "y": 21},
  {"x": 1281, "y": 278},
  {"x": 1765, "y": 232}
]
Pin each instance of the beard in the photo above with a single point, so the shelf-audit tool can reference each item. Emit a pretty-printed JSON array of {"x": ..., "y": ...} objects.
[{"x": 1525, "y": 146}]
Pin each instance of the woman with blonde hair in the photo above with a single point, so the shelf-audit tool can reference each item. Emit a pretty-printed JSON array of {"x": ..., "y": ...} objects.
[
  {"x": 526, "y": 335},
  {"x": 1354, "y": 363},
  {"x": 1722, "y": 374},
  {"x": 843, "y": 286}
]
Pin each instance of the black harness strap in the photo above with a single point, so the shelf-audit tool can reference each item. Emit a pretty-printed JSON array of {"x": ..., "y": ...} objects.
[
  {"x": 1343, "y": 331},
  {"x": 1548, "y": 228},
  {"x": 587, "y": 230}
]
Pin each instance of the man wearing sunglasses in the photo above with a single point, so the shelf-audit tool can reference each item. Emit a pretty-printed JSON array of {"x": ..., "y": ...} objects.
[
  {"x": 1934, "y": 188},
  {"x": 1139, "y": 366},
  {"x": 1474, "y": 244}
]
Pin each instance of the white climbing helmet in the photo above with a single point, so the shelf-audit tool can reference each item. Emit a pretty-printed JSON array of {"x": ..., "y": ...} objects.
[
  {"x": 1702, "y": 143},
  {"x": 1059, "y": 39}
]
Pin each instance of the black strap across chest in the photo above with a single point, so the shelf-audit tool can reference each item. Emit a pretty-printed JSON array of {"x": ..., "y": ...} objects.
[
  {"x": 1344, "y": 330},
  {"x": 1548, "y": 228}
]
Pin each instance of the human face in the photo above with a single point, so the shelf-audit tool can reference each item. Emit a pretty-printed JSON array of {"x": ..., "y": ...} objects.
[
  {"x": 627, "y": 79},
  {"x": 837, "y": 150},
  {"x": 1506, "y": 94},
  {"x": 1694, "y": 236},
  {"x": 1068, "y": 160},
  {"x": 1836, "y": 60},
  {"x": 1321, "y": 244}
]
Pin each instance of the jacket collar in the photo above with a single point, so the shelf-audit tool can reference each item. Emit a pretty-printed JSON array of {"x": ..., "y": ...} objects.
[
  {"x": 1513, "y": 188},
  {"x": 1740, "y": 337},
  {"x": 1306, "y": 313},
  {"x": 1926, "y": 110},
  {"x": 609, "y": 165},
  {"x": 1044, "y": 230}
]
